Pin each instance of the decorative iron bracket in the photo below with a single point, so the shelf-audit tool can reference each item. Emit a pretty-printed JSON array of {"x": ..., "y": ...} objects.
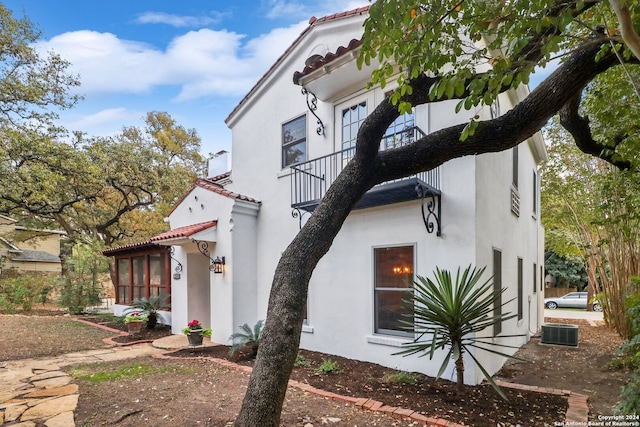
[
  {"x": 203, "y": 247},
  {"x": 299, "y": 214},
  {"x": 312, "y": 104},
  {"x": 172, "y": 251},
  {"x": 432, "y": 214}
]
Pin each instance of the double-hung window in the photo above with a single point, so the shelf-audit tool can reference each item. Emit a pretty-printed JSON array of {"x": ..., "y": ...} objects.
[
  {"x": 294, "y": 141},
  {"x": 393, "y": 275}
]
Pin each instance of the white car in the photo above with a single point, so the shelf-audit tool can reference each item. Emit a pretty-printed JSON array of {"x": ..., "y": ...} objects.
[{"x": 571, "y": 300}]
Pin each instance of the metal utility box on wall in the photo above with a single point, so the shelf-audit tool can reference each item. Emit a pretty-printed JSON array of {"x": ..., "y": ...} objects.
[{"x": 559, "y": 334}]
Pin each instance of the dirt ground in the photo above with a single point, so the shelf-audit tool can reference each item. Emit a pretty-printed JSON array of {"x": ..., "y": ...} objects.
[{"x": 199, "y": 392}]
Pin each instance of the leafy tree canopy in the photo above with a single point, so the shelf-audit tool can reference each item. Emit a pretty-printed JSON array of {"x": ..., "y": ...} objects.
[{"x": 113, "y": 190}]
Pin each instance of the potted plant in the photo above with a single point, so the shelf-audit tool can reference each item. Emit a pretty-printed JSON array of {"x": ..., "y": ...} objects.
[
  {"x": 151, "y": 306},
  {"x": 195, "y": 332},
  {"x": 135, "y": 320}
]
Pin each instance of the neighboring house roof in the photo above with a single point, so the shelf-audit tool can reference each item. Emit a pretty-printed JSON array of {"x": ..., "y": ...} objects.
[
  {"x": 313, "y": 21},
  {"x": 6, "y": 218},
  {"x": 40, "y": 230},
  {"x": 186, "y": 231},
  {"x": 35, "y": 256},
  {"x": 8, "y": 243}
]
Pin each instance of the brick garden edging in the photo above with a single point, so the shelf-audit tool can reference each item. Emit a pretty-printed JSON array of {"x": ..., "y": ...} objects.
[
  {"x": 109, "y": 340},
  {"x": 577, "y": 409}
]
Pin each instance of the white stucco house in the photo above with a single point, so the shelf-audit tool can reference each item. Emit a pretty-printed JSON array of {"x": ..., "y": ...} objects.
[{"x": 292, "y": 133}]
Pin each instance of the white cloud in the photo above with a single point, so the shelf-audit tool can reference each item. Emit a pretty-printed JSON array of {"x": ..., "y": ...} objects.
[
  {"x": 200, "y": 63},
  {"x": 105, "y": 117},
  {"x": 178, "y": 20}
]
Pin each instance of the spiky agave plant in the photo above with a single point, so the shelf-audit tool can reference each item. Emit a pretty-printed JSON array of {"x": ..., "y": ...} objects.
[{"x": 448, "y": 314}]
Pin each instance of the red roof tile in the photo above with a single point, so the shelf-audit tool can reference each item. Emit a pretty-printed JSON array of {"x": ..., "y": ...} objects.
[
  {"x": 217, "y": 188},
  {"x": 186, "y": 231},
  {"x": 315, "y": 62},
  {"x": 131, "y": 247},
  {"x": 312, "y": 21}
]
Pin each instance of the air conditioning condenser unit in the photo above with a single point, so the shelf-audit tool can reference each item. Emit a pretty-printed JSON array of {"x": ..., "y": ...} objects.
[{"x": 559, "y": 334}]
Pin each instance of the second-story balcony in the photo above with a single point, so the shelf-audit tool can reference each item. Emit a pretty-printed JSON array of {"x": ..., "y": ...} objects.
[{"x": 310, "y": 180}]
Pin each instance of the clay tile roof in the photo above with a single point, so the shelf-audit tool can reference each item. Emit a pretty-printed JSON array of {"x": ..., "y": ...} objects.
[
  {"x": 315, "y": 62},
  {"x": 217, "y": 188},
  {"x": 186, "y": 231},
  {"x": 131, "y": 247},
  {"x": 312, "y": 21},
  {"x": 219, "y": 177}
]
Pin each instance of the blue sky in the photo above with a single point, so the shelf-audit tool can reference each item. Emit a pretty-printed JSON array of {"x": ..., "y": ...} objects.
[{"x": 194, "y": 59}]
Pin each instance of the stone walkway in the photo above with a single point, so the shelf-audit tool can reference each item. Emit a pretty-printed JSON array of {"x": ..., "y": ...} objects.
[{"x": 37, "y": 391}]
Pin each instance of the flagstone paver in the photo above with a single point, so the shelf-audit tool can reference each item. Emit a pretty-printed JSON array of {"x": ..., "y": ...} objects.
[{"x": 37, "y": 392}]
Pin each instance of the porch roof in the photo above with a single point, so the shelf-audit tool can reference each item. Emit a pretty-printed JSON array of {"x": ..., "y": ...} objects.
[
  {"x": 186, "y": 231},
  {"x": 132, "y": 247}
]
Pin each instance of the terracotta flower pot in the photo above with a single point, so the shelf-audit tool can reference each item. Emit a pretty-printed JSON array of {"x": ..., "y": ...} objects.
[{"x": 135, "y": 326}]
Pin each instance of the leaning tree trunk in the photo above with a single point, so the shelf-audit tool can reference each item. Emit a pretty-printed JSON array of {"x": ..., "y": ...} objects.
[{"x": 279, "y": 345}]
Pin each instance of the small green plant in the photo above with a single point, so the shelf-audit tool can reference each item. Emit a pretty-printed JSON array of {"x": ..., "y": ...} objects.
[
  {"x": 327, "y": 366},
  {"x": 301, "y": 362},
  {"x": 195, "y": 325},
  {"x": 400, "y": 377},
  {"x": 248, "y": 338}
]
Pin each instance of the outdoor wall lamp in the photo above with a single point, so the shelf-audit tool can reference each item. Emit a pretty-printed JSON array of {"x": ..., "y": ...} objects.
[{"x": 218, "y": 265}]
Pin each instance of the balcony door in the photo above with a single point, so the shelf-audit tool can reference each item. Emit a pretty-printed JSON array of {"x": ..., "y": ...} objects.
[{"x": 351, "y": 114}]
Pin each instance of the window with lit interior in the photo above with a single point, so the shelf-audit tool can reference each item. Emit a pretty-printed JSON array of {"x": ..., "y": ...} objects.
[{"x": 394, "y": 276}]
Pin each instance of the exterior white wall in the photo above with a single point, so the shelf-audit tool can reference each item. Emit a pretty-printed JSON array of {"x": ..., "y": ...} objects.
[{"x": 475, "y": 218}]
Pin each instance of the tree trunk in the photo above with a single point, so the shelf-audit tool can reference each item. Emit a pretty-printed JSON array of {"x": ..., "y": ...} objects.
[
  {"x": 268, "y": 383},
  {"x": 460, "y": 375}
]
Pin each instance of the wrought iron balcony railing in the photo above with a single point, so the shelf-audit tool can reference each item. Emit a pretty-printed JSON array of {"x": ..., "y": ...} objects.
[{"x": 310, "y": 180}]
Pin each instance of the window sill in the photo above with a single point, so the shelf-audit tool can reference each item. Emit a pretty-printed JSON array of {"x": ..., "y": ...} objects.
[
  {"x": 307, "y": 329},
  {"x": 387, "y": 340},
  {"x": 284, "y": 173}
]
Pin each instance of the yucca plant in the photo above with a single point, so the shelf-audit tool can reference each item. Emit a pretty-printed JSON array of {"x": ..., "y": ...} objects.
[
  {"x": 448, "y": 314},
  {"x": 151, "y": 306},
  {"x": 249, "y": 338}
]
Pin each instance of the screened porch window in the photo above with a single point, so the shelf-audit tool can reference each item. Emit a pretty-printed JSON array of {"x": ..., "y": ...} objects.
[{"x": 142, "y": 275}]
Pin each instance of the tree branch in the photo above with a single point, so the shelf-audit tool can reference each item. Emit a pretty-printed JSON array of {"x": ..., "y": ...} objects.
[
  {"x": 579, "y": 128},
  {"x": 501, "y": 133}
]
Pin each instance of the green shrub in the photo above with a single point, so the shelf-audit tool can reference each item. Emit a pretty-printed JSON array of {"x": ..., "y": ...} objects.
[
  {"x": 23, "y": 290},
  {"x": 77, "y": 294},
  {"x": 630, "y": 397},
  {"x": 328, "y": 366}
]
